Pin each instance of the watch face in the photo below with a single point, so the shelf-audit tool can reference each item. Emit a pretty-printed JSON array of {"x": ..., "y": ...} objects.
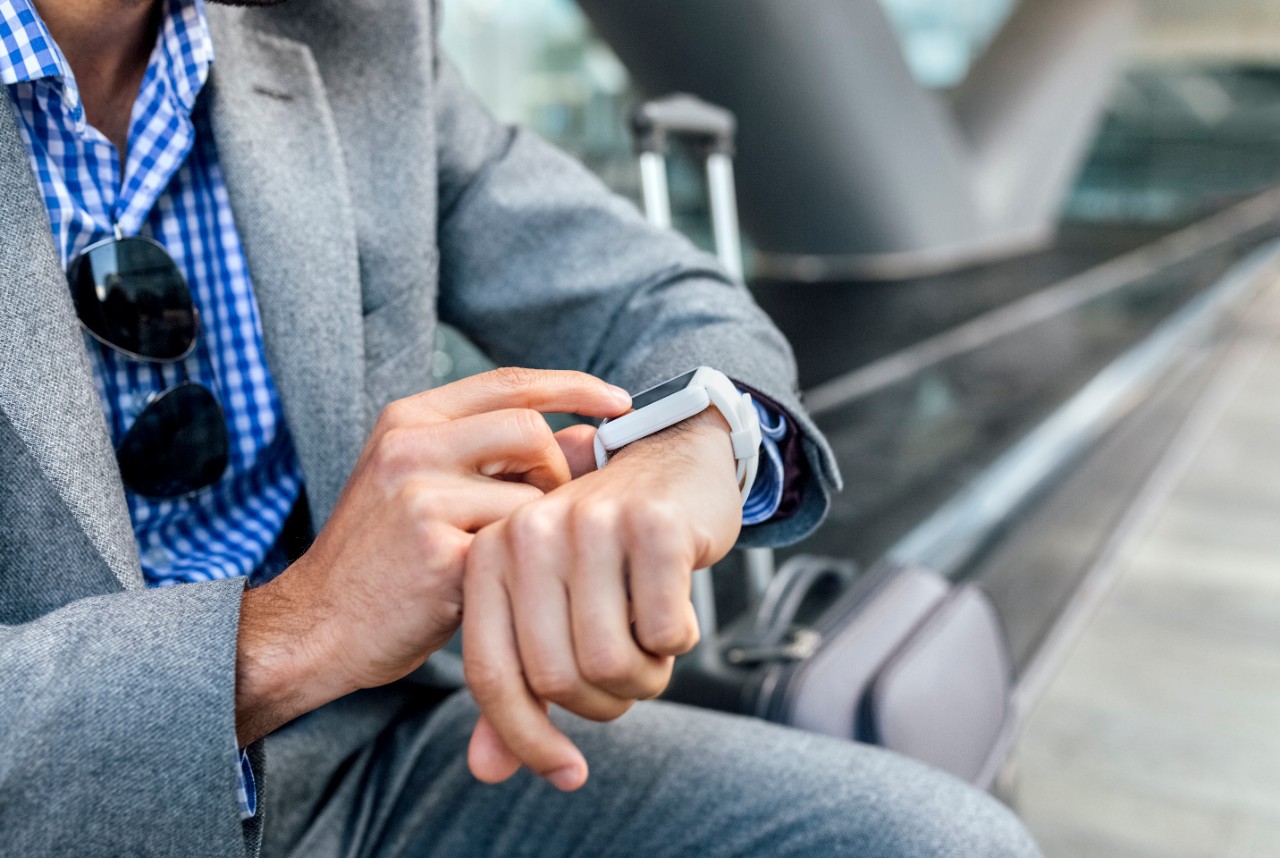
[{"x": 662, "y": 391}]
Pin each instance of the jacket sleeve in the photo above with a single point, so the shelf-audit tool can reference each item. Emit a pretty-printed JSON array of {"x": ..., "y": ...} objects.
[
  {"x": 542, "y": 266},
  {"x": 117, "y": 726}
]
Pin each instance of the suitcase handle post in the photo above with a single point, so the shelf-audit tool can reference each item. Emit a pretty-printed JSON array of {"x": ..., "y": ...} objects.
[{"x": 713, "y": 130}]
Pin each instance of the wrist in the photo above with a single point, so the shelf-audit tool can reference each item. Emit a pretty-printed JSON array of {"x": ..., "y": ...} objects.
[
  {"x": 692, "y": 460},
  {"x": 704, "y": 436},
  {"x": 285, "y": 662},
  {"x": 681, "y": 402}
]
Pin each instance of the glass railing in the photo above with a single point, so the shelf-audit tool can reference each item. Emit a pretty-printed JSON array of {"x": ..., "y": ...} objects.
[{"x": 917, "y": 427}]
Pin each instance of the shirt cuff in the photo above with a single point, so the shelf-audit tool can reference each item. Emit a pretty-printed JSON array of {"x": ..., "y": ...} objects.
[
  {"x": 766, "y": 492},
  {"x": 248, "y": 790}
]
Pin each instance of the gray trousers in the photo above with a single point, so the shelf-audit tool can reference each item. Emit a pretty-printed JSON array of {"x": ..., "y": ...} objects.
[{"x": 665, "y": 780}]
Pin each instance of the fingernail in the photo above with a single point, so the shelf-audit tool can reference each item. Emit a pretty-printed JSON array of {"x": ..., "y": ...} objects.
[
  {"x": 566, "y": 779},
  {"x": 620, "y": 394}
]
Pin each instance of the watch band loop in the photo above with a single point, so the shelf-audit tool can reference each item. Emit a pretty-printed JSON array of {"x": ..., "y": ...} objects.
[{"x": 745, "y": 443}]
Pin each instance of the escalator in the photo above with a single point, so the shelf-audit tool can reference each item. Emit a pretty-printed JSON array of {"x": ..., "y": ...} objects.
[
  {"x": 996, "y": 423},
  {"x": 953, "y": 445}
]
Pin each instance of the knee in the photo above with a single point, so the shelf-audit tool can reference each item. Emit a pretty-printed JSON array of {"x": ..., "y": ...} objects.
[
  {"x": 963, "y": 822},
  {"x": 922, "y": 813},
  {"x": 838, "y": 798}
]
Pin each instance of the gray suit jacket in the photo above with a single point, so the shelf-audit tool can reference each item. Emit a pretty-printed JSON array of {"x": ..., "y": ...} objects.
[{"x": 373, "y": 195}]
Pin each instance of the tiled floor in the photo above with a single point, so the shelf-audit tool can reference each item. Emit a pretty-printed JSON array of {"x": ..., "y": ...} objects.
[{"x": 1160, "y": 735}]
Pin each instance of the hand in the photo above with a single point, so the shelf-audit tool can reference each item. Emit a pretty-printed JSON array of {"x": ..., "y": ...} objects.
[
  {"x": 582, "y": 597},
  {"x": 381, "y": 588}
]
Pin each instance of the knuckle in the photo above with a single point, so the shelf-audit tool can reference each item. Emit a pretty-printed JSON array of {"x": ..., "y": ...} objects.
[
  {"x": 513, "y": 377},
  {"x": 517, "y": 497},
  {"x": 418, "y": 503},
  {"x": 394, "y": 414},
  {"x": 393, "y": 450},
  {"x": 449, "y": 613},
  {"x": 435, "y": 540},
  {"x": 529, "y": 426},
  {"x": 654, "y": 684},
  {"x": 554, "y": 684},
  {"x": 530, "y": 529},
  {"x": 606, "y": 665},
  {"x": 668, "y": 635},
  {"x": 591, "y": 521},
  {"x": 484, "y": 678},
  {"x": 524, "y": 494},
  {"x": 653, "y": 523}
]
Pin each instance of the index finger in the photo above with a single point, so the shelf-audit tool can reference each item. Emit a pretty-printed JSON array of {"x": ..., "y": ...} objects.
[{"x": 545, "y": 390}]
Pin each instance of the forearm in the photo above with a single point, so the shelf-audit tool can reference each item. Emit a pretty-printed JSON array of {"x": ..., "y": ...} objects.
[{"x": 628, "y": 303}]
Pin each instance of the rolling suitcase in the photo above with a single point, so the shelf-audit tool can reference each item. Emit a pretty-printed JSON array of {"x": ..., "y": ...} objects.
[{"x": 895, "y": 656}]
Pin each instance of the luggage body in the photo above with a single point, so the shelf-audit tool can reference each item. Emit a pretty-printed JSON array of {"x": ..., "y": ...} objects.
[{"x": 895, "y": 656}]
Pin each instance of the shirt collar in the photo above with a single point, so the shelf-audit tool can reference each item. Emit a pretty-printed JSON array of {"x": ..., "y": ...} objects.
[
  {"x": 186, "y": 47},
  {"x": 184, "y": 50},
  {"x": 29, "y": 51}
]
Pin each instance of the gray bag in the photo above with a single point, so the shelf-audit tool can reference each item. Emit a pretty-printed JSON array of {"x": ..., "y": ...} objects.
[{"x": 897, "y": 657}]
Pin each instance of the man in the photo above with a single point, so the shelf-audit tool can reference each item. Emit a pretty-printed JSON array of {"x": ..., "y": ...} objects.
[{"x": 324, "y": 185}]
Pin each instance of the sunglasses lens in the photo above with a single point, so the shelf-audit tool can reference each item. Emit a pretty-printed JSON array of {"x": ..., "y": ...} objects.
[
  {"x": 130, "y": 294},
  {"x": 177, "y": 445}
]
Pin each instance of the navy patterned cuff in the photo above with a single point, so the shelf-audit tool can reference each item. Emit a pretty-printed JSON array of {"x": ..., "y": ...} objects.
[
  {"x": 248, "y": 790},
  {"x": 766, "y": 492}
]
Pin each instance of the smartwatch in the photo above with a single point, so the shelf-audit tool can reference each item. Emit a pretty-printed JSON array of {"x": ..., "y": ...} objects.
[{"x": 682, "y": 397}]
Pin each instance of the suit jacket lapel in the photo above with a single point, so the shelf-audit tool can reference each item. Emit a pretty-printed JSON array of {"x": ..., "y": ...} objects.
[
  {"x": 46, "y": 384},
  {"x": 280, "y": 153}
]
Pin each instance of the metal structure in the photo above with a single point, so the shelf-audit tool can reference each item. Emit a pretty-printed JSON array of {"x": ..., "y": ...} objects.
[{"x": 849, "y": 167}]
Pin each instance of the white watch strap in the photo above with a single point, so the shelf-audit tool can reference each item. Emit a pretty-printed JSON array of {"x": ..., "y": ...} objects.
[
  {"x": 744, "y": 427},
  {"x": 602, "y": 455}
]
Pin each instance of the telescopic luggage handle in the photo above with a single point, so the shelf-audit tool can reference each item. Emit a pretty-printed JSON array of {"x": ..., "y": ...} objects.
[
  {"x": 712, "y": 129},
  {"x": 683, "y": 115}
]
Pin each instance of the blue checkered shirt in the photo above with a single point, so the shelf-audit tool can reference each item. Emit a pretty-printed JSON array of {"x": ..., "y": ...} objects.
[{"x": 171, "y": 189}]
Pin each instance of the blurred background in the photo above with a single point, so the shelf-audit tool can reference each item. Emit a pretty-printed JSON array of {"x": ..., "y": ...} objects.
[{"x": 1027, "y": 255}]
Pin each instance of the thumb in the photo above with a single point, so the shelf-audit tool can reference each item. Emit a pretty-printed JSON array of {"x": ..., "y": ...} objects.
[{"x": 578, "y": 445}]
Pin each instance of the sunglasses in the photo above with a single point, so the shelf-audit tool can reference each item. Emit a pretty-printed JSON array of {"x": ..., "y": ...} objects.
[{"x": 131, "y": 297}]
